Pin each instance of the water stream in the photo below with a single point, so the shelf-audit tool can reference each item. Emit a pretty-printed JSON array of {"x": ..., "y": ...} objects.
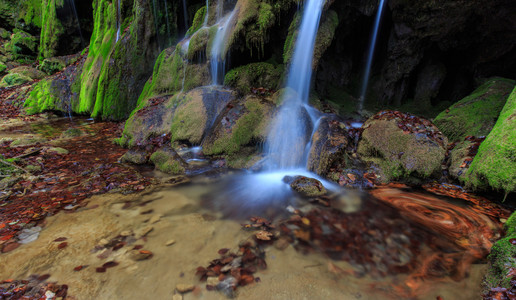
[
  {"x": 118, "y": 21},
  {"x": 219, "y": 48},
  {"x": 289, "y": 133},
  {"x": 370, "y": 54},
  {"x": 185, "y": 12}
]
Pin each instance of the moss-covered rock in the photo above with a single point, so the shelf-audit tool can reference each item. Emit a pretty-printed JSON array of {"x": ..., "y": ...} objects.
[
  {"x": 198, "y": 21},
  {"x": 52, "y": 65},
  {"x": 328, "y": 146},
  {"x": 502, "y": 259},
  {"x": 52, "y": 29},
  {"x": 476, "y": 114},
  {"x": 197, "y": 111},
  {"x": 168, "y": 161},
  {"x": 135, "y": 156},
  {"x": 57, "y": 92},
  {"x": 23, "y": 45},
  {"x": 130, "y": 65},
  {"x": 493, "y": 167},
  {"x": 325, "y": 34},
  {"x": 28, "y": 72},
  {"x": 14, "y": 79},
  {"x": 254, "y": 75},
  {"x": 28, "y": 140},
  {"x": 242, "y": 124},
  {"x": 3, "y": 67},
  {"x": 306, "y": 186},
  {"x": 402, "y": 146},
  {"x": 22, "y": 14}
]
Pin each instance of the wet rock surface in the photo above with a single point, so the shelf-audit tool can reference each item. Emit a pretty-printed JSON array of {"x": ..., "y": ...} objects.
[{"x": 308, "y": 187}]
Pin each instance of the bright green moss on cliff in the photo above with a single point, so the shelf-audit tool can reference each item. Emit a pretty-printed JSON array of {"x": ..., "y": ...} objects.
[
  {"x": 477, "y": 113},
  {"x": 495, "y": 164},
  {"x": 41, "y": 98},
  {"x": 198, "y": 21},
  {"x": 101, "y": 44},
  {"x": 3, "y": 67},
  {"x": 51, "y": 30}
]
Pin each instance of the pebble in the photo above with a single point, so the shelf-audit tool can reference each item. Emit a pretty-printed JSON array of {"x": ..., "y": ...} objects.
[
  {"x": 212, "y": 281},
  {"x": 155, "y": 219},
  {"x": 125, "y": 233},
  {"x": 184, "y": 288},
  {"x": 103, "y": 242},
  {"x": 170, "y": 243},
  {"x": 144, "y": 231},
  {"x": 177, "y": 297},
  {"x": 281, "y": 244},
  {"x": 138, "y": 255}
]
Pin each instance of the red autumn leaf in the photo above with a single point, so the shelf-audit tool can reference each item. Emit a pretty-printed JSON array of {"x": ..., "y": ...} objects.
[
  {"x": 61, "y": 239},
  {"x": 62, "y": 245}
]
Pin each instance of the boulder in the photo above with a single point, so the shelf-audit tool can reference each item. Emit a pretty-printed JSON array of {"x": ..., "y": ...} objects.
[
  {"x": 306, "y": 186},
  {"x": 14, "y": 79},
  {"x": 328, "y": 146},
  {"x": 255, "y": 75},
  {"x": 476, "y": 114},
  {"x": 135, "y": 156},
  {"x": 402, "y": 146},
  {"x": 168, "y": 161},
  {"x": 495, "y": 164},
  {"x": 28, "y": 72},
  {"x": 23, "y": 45},
  {"x": 197, "y": 111}
]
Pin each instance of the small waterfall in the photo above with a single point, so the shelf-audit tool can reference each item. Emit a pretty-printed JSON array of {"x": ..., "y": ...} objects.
[
  {"x": 290, "y": 132},
  {"x": 207, "y": 13},
  {"x": 118, "y": 21},
  {"x": 185, "y": 12},
  {"x": 218, "y": 49},
  {"x": 372, "y": 44}
]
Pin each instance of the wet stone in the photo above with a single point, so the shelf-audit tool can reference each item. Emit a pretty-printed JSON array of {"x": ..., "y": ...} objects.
[
  {"x": 306, "y": 186},
  {"x": 184, "y": 288}
]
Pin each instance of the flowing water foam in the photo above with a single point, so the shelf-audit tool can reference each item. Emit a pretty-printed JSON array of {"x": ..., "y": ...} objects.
[{"x": 218, "y": 50}]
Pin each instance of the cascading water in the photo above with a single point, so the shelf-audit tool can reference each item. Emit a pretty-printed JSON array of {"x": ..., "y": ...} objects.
[
  {"x": 118, "y": 21},
  {"x": 372, "y": 44},
  {"x": 218, "y": 50},
  {"x": 207, "y": 13},
  {"x": 289, "y": 133},
  {"x": 185, "y": 13}
]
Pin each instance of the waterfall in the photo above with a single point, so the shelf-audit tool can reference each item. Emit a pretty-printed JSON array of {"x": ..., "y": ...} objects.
[
  {"x": 372, "y": 44},
  {"x": 207, "y": 13},
  {"x": 218, "y": 49},
  {"x": 290, "y": 132},
  {"x": 118, "y": 21},
  {"x": 185, "y": 12}
]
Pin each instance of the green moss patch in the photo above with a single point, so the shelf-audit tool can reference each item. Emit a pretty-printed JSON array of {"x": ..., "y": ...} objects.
[
  {"x": 254, "y": 75},
  {"x": 495, "y": 163},
  {"x": 14, "y": 79},
  {"x": 477, "y": 113},
  {"x": 168, "y": 161}
]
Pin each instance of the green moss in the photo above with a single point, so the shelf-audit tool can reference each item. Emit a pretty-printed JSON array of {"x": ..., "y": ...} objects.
[
  {"x": 325, "y": 34},
  {"x": 14, "y": 79},
  {"x": 198, "y": 43},
  {"x": 189, "y": 119},
  {"x": 41, "y": 98},
  {"x": 101, "y": 44},
  {"x": 28, "y": 72},
  {"x": 2, "y": 67},
  {"x": 502, "y": 258},
  {"x": 198, "y": 21},
  {"x": 477, "y": 113},
  {"x": 254, "y": 75},
  {"x": 399, "y": 155},
  {"x": 52, "y": 65},
  {"x": 288, "y": 48},
  {"x": 165, "y": 163},
  {"x": 52, "y": 29},
  {"x": 494, "y": 165},
  {"x": 6, "y": 169},
  {"x": 247, "y": 127},
  {"x": 23, "y": 45}
]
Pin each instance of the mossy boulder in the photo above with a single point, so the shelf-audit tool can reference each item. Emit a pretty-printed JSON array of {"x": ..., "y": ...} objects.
[
  {"x": 52, "y": 65},
  {"x": 168, "y": 161},
  {"x": 243, "y": 124},
  {"x": 14, "y": 79},
  {"x": 135, "y": 156},
  {"x": 476, "y": 114},
  {"x": 306, "y": 186},
  {"x": 58, "y": 92},
  {"x": 28, "y": 72},
  {"x": 198, "y": 21},
  {"x": 502, "y": 259},
  {"x": 328, "y": 146},
  {"x": 254, "y": 75},
  {"x": 28, "y": 140},
  {"x": 23, "y": 45},
  {"x": 197, "y": 111},
  {"x": 493, "y": 167},
  {"x": 325, "y": 34},
  {"x": 402, "y": 146}
]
